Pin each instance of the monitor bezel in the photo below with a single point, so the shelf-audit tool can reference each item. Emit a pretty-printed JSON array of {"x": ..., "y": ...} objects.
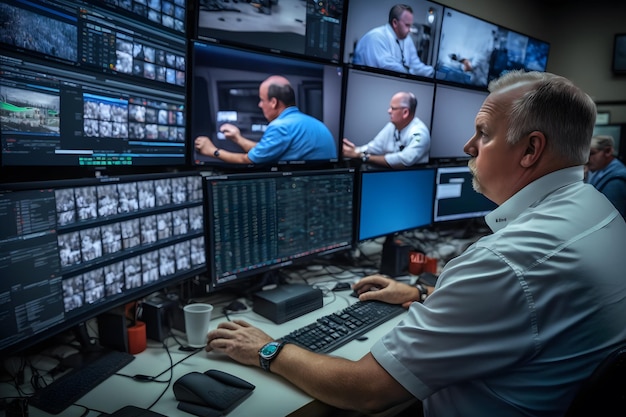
[
  {"x": 78, "y": 318},
  {"x": 360, "y": 202},
  {"x": 263, "y": 65},
  {"x": 251, "y": 279}
]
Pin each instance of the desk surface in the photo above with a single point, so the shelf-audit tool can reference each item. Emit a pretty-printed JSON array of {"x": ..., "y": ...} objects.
[{"x": 273, "y": 396}]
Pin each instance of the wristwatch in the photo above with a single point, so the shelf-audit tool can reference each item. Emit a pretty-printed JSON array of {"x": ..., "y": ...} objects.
[
  {"x": 365, "y": 156},
  {"x": 216, "y": 153},
  {"x": 268, "y": 352},
  {"x": 423, "y": 292}
]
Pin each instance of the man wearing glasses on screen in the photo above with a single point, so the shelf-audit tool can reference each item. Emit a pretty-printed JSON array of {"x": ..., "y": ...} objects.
[
  {"x": 390, "y": 47},
  {"x": 401, "y": 143}
]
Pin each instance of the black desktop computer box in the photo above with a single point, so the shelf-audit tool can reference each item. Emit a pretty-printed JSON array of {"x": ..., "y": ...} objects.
[{"x": 287, "y": 302}]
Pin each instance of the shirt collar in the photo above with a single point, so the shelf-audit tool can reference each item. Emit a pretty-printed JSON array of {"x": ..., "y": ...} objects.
[{"x": 531, "y": 195}]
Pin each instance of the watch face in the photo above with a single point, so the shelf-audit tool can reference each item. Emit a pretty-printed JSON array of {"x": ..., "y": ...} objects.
[{"x": 268, "y": 350}]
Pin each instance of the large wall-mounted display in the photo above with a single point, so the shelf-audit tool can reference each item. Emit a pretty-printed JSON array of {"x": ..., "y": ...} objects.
[
  {"x": 225, "y": 89},
  {"x": 311, "y": 29},
  {"x": 101, "y": 86}
]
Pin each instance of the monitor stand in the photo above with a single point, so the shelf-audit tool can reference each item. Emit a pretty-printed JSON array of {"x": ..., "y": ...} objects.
[
  {"x": 395, "y": 257},
  {"x": 88, "y": 352}
]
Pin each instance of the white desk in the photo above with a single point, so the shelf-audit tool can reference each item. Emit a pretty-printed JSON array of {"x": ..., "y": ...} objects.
[{"x": 272, "y": 397}]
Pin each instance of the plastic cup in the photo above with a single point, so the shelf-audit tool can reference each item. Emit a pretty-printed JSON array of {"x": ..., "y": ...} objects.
[{"x": 197, "y": 320}]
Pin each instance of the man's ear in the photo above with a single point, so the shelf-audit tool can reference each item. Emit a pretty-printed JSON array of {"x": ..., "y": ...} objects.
[{"x": 535, "y": 146}]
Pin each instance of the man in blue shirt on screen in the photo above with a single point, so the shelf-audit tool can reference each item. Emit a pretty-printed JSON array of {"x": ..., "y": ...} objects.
[
  {"x": 291, "y": 135},
  {"x": 390, "y": 47}
]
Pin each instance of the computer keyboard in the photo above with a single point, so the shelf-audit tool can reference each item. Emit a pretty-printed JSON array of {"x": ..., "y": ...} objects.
[
  {"x": 70, "y": 387},
  {"x": 335, "y": 330}
]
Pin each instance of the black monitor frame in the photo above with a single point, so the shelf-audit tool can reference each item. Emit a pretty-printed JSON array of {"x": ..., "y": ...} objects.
[
  {"x": 455, "y": 198},
  {"x": 258, "y": 197},
  {"x": 74, "y": 95},
  {"x": 378, "y": 211},
  {"x": 89, "y": 251},
  {"x": 220, "y": 70},
  {"x": 313, "y": 30},
  {"x": 474, "y": 51}
]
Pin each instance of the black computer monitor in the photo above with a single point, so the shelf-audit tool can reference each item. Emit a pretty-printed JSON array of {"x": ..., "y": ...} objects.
[
  {"x": 455, "y": 197},
  {"x": 473, "y": 51},
  {"x": 93, "y": 87},
  {"x": 454, "y": 115},
  {"x": 394, "y": 201},
  {"x": 73, "y": 249},
  {"x": 225, "y": 88},
  {"x": 364, "y": 16},
  {"x": 311, "y": 29},
  {"x": 367, "y": 102},
  {"x": 260, "y": 222}
]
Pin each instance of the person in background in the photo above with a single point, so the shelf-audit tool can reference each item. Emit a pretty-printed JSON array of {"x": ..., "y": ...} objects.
[
  {"x": 403, "y": 142},
  {"x": 524, "y": 315},
  {"x": 391, "y": 47},
  {"x": 606, "y": 172},
  {"x": 290, "y": 135}
]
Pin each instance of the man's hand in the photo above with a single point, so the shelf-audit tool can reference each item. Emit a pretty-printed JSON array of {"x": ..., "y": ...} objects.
[
  {"x": 230, "y": 131},
  {"x": 349, "y": 149},
  {"x": 205, "y": 146},
  {"x": 239, "y": 340},
  {"x": 388, "y": 290}
]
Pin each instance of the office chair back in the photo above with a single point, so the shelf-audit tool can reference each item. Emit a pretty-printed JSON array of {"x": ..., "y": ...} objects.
[{"x": 604, "y": 392}]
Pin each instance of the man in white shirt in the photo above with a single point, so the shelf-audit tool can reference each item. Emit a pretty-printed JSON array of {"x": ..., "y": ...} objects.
[
  {"x": 401, "y": 143},
  {"x": 390, "y": 47}
]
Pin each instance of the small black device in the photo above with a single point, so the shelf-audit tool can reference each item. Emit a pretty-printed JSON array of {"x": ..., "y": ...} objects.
[
  {"x": 157, "y": 313},
  {"x": 287, "y": 302},
  {"x": 210, "y": 393}
]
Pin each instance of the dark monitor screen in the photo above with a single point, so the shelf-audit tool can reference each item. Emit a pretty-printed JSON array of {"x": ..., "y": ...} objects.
[
  {"x": 454, "y": 117},
  {"x": 107, "y": 90},
  {"x": 473, "y": 51},
  {"x": 72, "y": 249},
  {"x": 455, "y": 197},
  {"x": 258, "y": 222},
  {"x": 367, "y": 101},
  {"x": 310, "y": 29},
  {"x": 225, "y": 89},
  {"x": 394, "y": 201},
  {"x": 363, "y": 17}
]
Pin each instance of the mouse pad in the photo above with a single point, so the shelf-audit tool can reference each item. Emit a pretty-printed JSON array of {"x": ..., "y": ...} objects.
[{"x": 210, "y": 394}]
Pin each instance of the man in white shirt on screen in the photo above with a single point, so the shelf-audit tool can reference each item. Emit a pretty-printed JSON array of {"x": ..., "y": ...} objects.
[
  {"x": 401, "y": 143},
  {"x": 390, "y": 47}
]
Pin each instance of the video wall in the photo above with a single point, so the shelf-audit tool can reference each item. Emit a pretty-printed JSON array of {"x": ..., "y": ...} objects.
[
  {"x": 104, "y": 196},
  {"x": 121, "y": 86}
]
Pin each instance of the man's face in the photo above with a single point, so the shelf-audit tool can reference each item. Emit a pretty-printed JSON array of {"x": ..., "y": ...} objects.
[
  {"x": 402, "y": 26},
  {"x": 494, "y": 163},
  {"x": 397, "y": 112},
  {"x": 268, "y": 106},
  {"x": 598, "y": 159}
]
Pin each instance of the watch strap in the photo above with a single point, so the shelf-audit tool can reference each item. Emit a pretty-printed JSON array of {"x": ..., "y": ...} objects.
[{"x": 264, "y": 359}]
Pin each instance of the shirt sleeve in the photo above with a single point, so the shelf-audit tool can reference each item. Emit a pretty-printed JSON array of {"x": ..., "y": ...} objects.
[
  {"x": 414, "y": 62},
  {"x": 474, "y": 314},
  {"x": 374, "y": 50},
  {"x": 272, "y": 145},
  {"x": 416, "y": 150},
  {"x": 378, "y": 145}
]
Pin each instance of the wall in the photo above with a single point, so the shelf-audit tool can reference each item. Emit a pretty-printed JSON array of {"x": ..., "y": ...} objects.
[{"x": 580, "y": 33}]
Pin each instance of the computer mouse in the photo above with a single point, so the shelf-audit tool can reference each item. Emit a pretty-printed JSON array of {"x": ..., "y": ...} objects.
[
  {"x": 236, "y": 306},
  {"x": 214, "y": 389}
]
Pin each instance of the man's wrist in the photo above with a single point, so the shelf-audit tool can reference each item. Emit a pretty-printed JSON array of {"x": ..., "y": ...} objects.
[
  {"x": 365, "y": 157},
  {"x": 423, "y": 295}
]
